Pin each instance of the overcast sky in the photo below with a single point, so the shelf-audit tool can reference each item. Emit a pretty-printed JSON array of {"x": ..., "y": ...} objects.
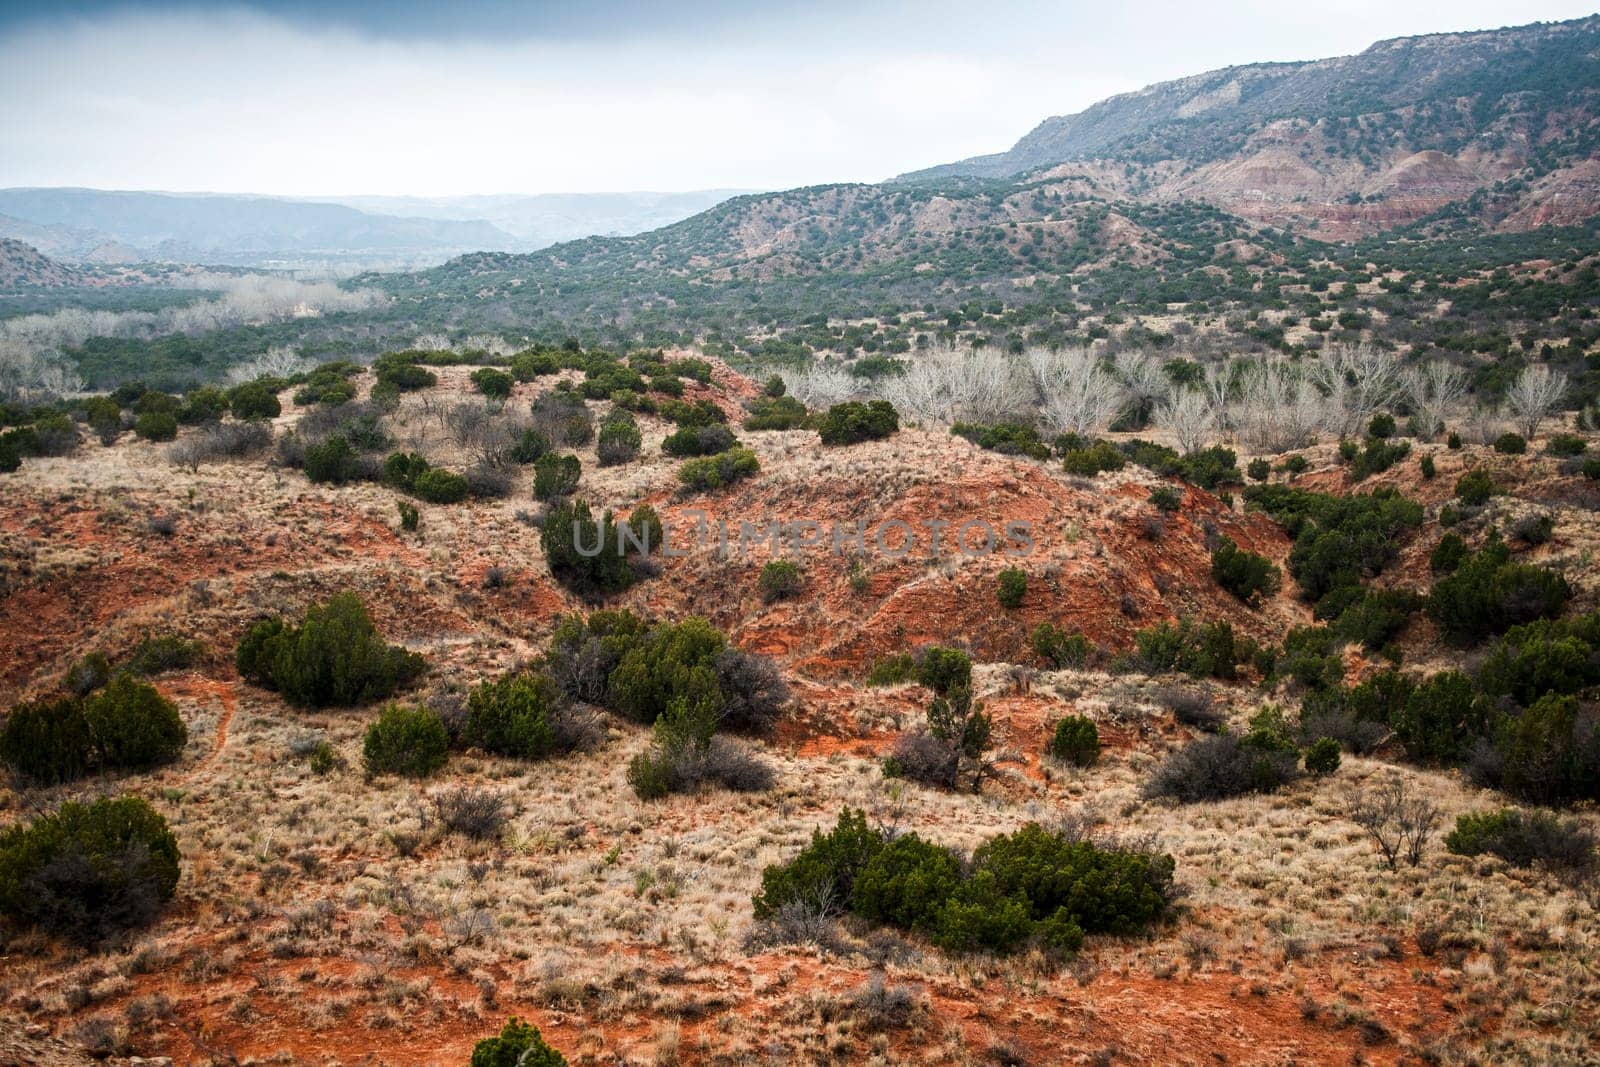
[{"x": 484, "y": 96}]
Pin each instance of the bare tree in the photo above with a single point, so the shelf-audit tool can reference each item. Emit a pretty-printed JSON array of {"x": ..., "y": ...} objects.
[
  {"x": 821, "y": 386},
  {"x": 1277, "y": 410},
  {"x": 1144, "y": 385},
  {"x": 949, "y": 384},
  {"x": 1189, "y": 417},
  {"x": 1219, "y": 387},
  {"x": 1360, "y": 381},
  {"x": 279, "y": 361},
  {"x": 1076, "y": 394},
  {"x": 1533, "y": 396},
  {"x": 1436, "y": 390},
  {"x": 1398, "y": 823}
]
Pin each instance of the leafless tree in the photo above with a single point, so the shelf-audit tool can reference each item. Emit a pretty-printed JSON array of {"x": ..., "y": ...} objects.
[
  {"x": 1277, "y": 410},
  {"x": 1144, "y": 385},
  {"x": 821, "y": 386},
  {"x": 1219, "y": 386},
  {"x": 1533, "y": 396},
  {"x": 432, "y": 342},
  {"x": 1076, "y": 394},
  {"x": 1189, "y": 417},
  {"x": 1435, "y": 390},
  {"x": 1360, "y": 381},
  {"x": 279, "y": 361},
  {"x": 949, "y": 384},
  {"x": 1398, "y": 822}
]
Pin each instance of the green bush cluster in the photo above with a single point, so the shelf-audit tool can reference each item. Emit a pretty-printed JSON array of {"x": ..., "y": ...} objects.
[
  {"x": 255, "y": 400},
  {"x": 515, "y": 716},
  {"x": 127, "y": 725},
  {"x": 335, "y": 656},
  {"x": 1377, "y": 457},
  {"x": 1029, "y": 888},
  {"x": 776, "y": 413},
  {"x": 1488, "y": 594},
  {"x": 1524, "y": 839},
  {"x": 1197, "y": 648},
  {"x": 156, "y": 426},
  {"x": 89, "y": 870},
  {"x": 556, "y": 476},
  {"x": 1338, "y": 540},
  {"x": 722, "y": 469},
  {"x": 780, "y": 580},
  {"x": 689, "y": 441},
  {"x": 619, "y": 440},
  {"x": 1076, "y": 740},
  {"x": 493, "y": 383},
  {"x": 1058, "y": 648},
  {"x": 853, "y": 421},
  {"x": 1007, "y": 438},
  {"x": 1013, "y": 587},
  {"x": 586, "y": 554},
  {"x": 519, "y": 1045},
  {"x": 1248, "y": 576},
  {"x": 411, "y": 742},
  {"x": 1092, "y": 458}
]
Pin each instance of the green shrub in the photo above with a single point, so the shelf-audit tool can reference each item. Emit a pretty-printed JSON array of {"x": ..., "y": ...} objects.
[
  {"x": 1547, "y": 754},
  {"x": 406, "y": 377},
  {"x": 822, "y": 877},
  {"x": 556, "y": 476},
  {"x": 1338, "y": 540},
  {"x": 1448, "y": 554},
  {"x": 585, "y": 554},
  {"x": 1093, "y": 458},
  {"x": 1007, "y": 438},
  {"x": 1259, "y": 469},
  {"x": 1524, "y": 838},
  {"x": 1442, "y": 718},
  {"x": 526, "y": 366},
  {"x": 893, "y": 670},
  {"x": 493, "y": 383},
  {"x": 156, "y": 426},
  {"x": 529, "y": 447},
  {"x": 134, "y": 726},
  {"x": 333, "y": 460},
  {"x": 519, "y": 1045},
  {"x": 255, "y": 400},
  {"x": 906, "y": 883},
  {"x": 1547, "y": 656},
  {"x": 714, "y": 472},
  {"x": 774, "y": 387},
  {"x": 1488, "y": 594},
  {"x": 1378, "y": 617},
  {"x": 169, "y": 652},
  {"x": 409, "y": 517},
  {"x": 411, "y": 742},
  {"x": 515, "y": 716},
  {"x": 1198, "y": 649},
  {"x": 1427, "y": 467},
  {"x": 1566, "y": 445},
  {"x": 1322, "y": 757},
  {"x": 671, "y": 663},
  {"x": 1246, "y": 575},
  {"x": 699, "y": 441},
  {"x": 1076, "y": 741},
  {"x": 47, "y": 741},
  {"x": 780, "y": 580},
  {"x": 439, "y": 486},
  {"x": 1510, "y": 444},
  {"x": 1013, "y": 587},
  {"x": 335, "y": 657},
  {"x": 402, "y": 469},
  {"x": 776, "y": 413},
  {"x": 1058, "y": 648},
  {"x": 619, "y": 440},
  {"x": 1295, "y": 464},
  {"x": 1165, "y": 498},
  {"x": 1474, "y": 488},
  {"x": 104, "y": 416},
  {"x": 945, "y": 670},
  {"x": 1377, "y": 457},
  {"x": 89, "y": 870},
  {"x": 853, "y": 421},
  {"x": 1382, "y": 426}
]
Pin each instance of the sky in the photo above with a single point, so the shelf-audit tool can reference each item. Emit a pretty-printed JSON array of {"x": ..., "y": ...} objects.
[{"x": 406, "y": 97}]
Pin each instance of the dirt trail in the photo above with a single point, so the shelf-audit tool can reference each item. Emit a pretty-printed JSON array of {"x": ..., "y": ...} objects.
[{"x": 195, "y": 689}]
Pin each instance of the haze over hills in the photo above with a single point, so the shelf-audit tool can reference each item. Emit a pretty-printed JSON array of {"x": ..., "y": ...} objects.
[{"x": 100, "y": 226}]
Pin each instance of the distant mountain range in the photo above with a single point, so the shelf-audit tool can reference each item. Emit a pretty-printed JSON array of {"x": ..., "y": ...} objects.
[
  {"x": 1347, "y": 146},
  {"x": 93, "y": 226}
]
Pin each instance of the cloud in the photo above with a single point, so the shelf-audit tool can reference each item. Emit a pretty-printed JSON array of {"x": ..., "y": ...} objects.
[{"x": 310, "y": 99}]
